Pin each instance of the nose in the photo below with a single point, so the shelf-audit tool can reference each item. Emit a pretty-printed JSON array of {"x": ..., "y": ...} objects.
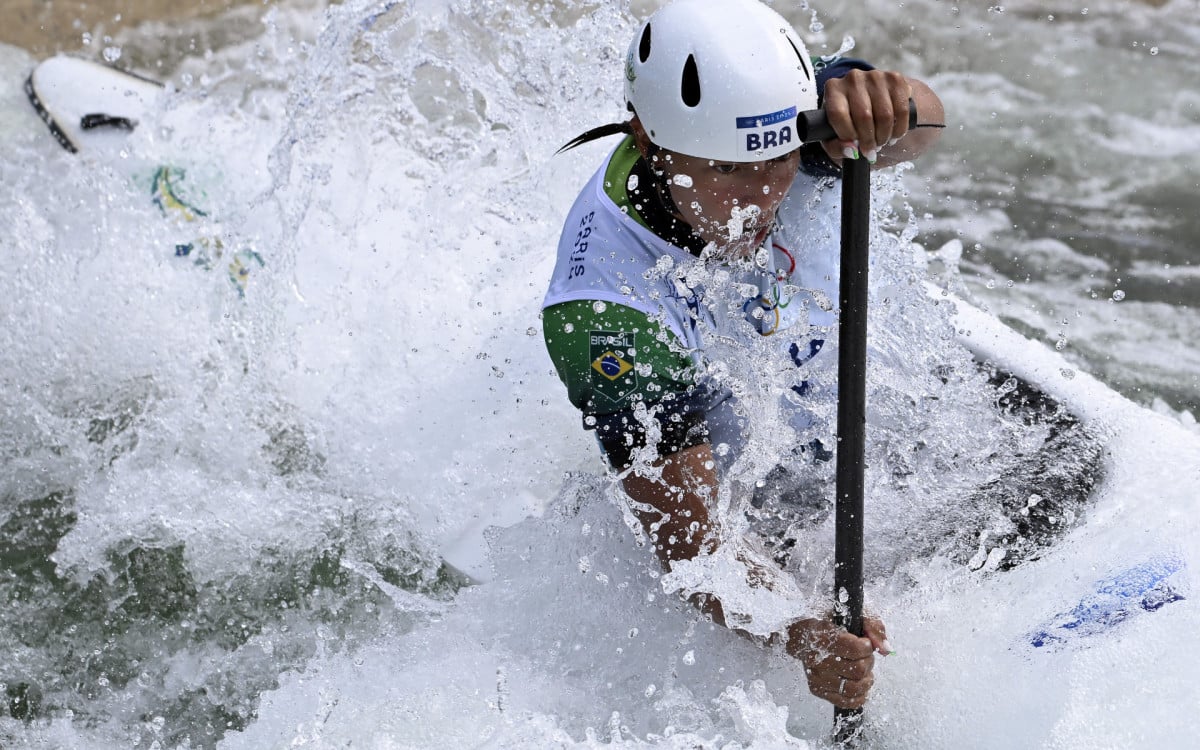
[{"x": 766, "y": 192}]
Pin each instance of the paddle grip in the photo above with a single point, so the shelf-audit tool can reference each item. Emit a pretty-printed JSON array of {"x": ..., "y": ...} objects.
[{"x": 813, "y": 125}]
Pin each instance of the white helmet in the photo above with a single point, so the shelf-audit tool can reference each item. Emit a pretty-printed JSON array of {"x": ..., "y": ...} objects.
[{"x": 720, "y": 79}]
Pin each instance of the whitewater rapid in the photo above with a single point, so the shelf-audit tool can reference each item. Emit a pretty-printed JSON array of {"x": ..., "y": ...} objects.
[{"x": 226, "y": 519}]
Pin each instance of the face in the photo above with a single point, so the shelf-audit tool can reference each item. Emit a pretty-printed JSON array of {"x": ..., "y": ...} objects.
[{"x": 728, "y": 203}]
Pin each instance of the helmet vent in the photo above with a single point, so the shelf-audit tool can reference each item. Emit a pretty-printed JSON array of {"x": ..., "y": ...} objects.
[
  {"x": 644, "y": 45},
  {"x": 690, "y": 90},
  {"x": 800, "y": 57}
]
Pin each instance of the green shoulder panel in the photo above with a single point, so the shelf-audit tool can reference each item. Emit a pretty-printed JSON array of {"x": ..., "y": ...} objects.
[
  {"x": 616, "y": 178},
  {"x": 610, "y": 356}
]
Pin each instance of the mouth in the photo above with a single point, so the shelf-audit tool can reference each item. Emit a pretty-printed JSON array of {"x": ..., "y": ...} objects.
[
  {"x": 739, "y": 244},
  {"x": 750, "y": 236},
  {"x": 746, "y": 224}
]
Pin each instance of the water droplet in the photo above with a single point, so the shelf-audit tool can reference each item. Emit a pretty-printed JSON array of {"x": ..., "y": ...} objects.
[
  {"x": 682, "y": 180},
  {"x": 991, "y": 284},
  {"x": 568, "y": 327},
  {"x": 599, "y": 306},
  {"x": 632, "y": 183},
  {"x": 1083, "y": 12},
  {"x": 589, "y": 420},
  {"x": 1061, "y": 344},
  {"x": 112, "y": 54},
  {"x": 1067, "y": 373},
  {"x": 689, "y": 658},
  {"x": 530, "y": 331},
  {"x": 1154, "y": 50},
  {"x": 87, "y": 39},
  {"x": 1118, "y": 295}
]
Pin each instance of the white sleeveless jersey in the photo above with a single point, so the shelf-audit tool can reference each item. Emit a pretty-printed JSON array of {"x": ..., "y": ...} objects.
[
  {"x": 605, "y": 255},
  {"x": 788, "y": 292}
]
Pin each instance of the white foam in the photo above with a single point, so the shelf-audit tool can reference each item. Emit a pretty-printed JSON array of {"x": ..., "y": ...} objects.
[{"x": 400, "y": 185}]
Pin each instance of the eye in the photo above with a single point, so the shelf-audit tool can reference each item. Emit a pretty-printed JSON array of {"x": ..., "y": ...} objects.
[{"x": 725, "y": 168}]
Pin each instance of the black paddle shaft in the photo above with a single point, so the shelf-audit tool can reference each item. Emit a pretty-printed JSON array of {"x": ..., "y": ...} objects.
[
  {"x": 851, "y": 416},
  {"x": 852, "y": 394}
]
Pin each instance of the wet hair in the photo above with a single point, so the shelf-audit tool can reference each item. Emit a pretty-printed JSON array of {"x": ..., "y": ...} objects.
[
  {"x": 658, "y": 176},
  {"x": 603, "y": 131}
]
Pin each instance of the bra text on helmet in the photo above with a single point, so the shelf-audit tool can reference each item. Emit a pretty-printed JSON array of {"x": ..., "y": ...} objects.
[{"x": 767, "y": 131}]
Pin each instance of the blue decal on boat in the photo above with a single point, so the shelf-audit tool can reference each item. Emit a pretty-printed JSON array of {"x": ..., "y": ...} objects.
[{"x": 1142, "y": 588}]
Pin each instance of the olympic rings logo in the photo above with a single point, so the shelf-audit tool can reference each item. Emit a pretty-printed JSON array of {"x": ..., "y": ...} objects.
[{"x": 775, "y": 302}]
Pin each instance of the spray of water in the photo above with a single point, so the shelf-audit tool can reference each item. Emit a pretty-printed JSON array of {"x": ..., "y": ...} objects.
[{"x": 226, "y": 520}]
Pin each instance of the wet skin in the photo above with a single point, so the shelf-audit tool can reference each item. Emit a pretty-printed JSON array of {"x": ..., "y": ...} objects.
[{"x": 730, "y": 204}]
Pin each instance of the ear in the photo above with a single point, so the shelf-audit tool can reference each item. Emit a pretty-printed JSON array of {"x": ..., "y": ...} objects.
[{"x": 640, "y": 138}]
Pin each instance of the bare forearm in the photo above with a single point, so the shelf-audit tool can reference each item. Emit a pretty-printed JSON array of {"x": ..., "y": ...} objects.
[
  {"x": 920, "y": 139},
  {"x": 673, "y": 507}
]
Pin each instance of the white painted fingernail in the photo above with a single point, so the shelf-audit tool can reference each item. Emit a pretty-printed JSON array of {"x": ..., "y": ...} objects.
[
  {"x": 887, "y": 648},
  {"x": 849, "y": 152},
  {"x": 871, "y": 155},
  {"x": 893, "y": 142}
]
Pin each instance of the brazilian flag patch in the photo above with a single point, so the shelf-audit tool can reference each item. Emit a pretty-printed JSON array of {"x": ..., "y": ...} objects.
[{"x": 612, "y": 370}]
